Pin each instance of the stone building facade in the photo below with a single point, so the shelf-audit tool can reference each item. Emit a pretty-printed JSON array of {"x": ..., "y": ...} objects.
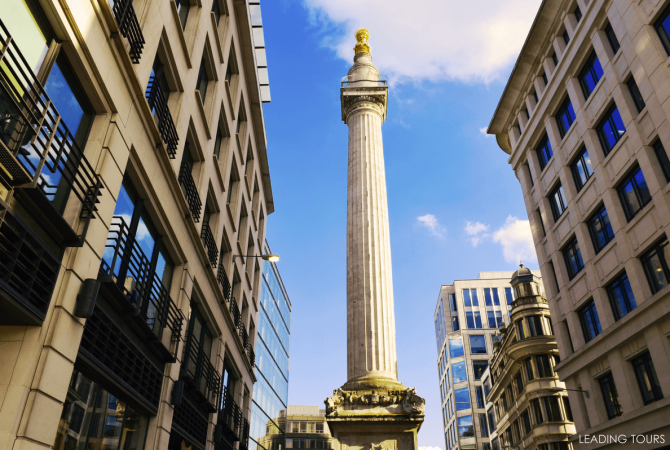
[
  {"x": 584, "y": 118},
  {"x": 467, "y": 318},
  {"x": 134, "y": 173},
  {"x": 531, "y": 406},
  {"x": 298, "y": 426}
]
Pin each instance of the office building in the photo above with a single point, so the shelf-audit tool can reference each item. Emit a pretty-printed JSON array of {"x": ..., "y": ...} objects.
[
  {"x": 270, "y": 397},
  {"x": 467, "y": 318},
  {"x": 298, "y": 426},
  {"x": 584, "y": 118},
  {"x": 134, "y": 194},
  {"x": 530, "y": 409}
]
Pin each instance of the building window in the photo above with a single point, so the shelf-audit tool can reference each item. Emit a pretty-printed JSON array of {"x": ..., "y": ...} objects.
[
  {"x": 611, "y": 37},
  {"x": 522, "y": 333},
  {"x": 465, "y": 428},
  {"x": 582, "y": 169},
  {"x": 478, "y": 368},
  {"x": 483, "y": 426},
  {"x": 534, "y": 94},
  {"x": 554, "y": 58},
  {"x": 610, "y": 129},
  {"x": 183, "y": 7},
  {"x": 87, "y": 404},
  {"x": 552, "y": 409},
  {"x": 496, "y": 298},
  {"x": 543, "y": 366},
  {"x": 525, "y": 419},
  {"x": 492, "y": 319},
  {"x": 452, "y": 302},
  {"x": 499, "y": 319},
  {"x": 656, "y": 266},
  {"x": 558, "y": 203},
  {"x": 568, "y": 409},
  {"x": 535, "y": 326},
  {"x": 646, "y": 378},
  {"x": 600, "y": 229},
  {"x": 566, "y": 37},
  {"x": 544, "y": 152},
  {"x": 621, "y": 296},
  {"x": 203, "y": 79},
  {"x": 633, "y": 193},
  {"x": 454, "y": 324},
  {"x": 477, "y": 344},
  {"x": 535, "y": 404},
  {"x": 544, "y": 78},
  {"x": 578, "y": 14},
  {"x": 455, "y": 348},
  {"x": 610, "y": 396},
  {"x": 662, "y": 157},
  {"x": 588, "y": 317},
  {"x": 573, "y": 258},
  {"x": 635, "y": 93},
  {"x": 488, "y": 300},
  {"x": 474, "y": 320},
  {"x": 492, "y": 418},
  {"x": 479, "y": 393},
  {"x": 662, "y": 26},
  {"x": 519, "y": 382},
  {"x": 565, "y": 116},
  {"x": 462, "y": 399},
  {"x": 590, "y": 74}
]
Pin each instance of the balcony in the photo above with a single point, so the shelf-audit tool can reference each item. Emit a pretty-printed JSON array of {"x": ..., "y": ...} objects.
[
  {"x": 190, "y": 191},
  {"x": 135, "y": 290},
  {"x": 39, "y": 156},
  {"x": 129, "y": 27},
  {"x": 28, "y": 273},
  {"x": 246, "y": 342},
  {"x": 230, "y": 416},
  {"x": 200, "y": 375},
  {"x": 157, "y": 101},
  {"x": 244, "y": 435},
  {"x": 208, "y": 241},
  {"x": 235, "y": 312},
  {"x": 224, "y": 283}
]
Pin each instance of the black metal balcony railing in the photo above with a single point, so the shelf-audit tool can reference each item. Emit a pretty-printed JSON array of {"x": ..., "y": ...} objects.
[
  {"x": 235, "y": 312},
  {"x": 37, "y": 151},
  {"x": 244, "y": 434},
  {"x": 28, "y": 273},
  {"x": 208, "y": 241},
  {"x": 126, "y": 19},
  {"x": 230, "y": 416},
  {"x": 140, "y": 290},
  {"x": 200, "y": 374},
  {"x": 158, "y": 104},
  {"x": 222, "y": 278},
  {"x": 190, "y": 191},
  {"x": 251, "y": 354}
]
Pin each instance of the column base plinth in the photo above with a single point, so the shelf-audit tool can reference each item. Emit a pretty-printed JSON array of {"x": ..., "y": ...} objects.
[{"x": 383, "y": 415}]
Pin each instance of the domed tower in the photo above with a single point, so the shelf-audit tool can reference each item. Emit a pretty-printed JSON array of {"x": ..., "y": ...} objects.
[
  {"x": 372, "y": 410},
  {"x": 531, "y": 403}
]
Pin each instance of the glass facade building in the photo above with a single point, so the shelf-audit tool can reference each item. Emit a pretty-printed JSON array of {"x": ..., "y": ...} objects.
[
  {"x": 272, "y": 354},
  {"x": 467, "y": 318}
]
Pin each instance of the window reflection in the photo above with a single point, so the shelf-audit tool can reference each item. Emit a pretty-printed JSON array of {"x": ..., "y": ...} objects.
[{"x": 94, "y": 419}]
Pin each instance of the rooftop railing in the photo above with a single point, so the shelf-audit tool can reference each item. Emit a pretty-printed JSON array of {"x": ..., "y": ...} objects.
[
  {"x": 158, "y": 104},
  {"x": 37, "y": 151},
  {"x": 190, "y": 191},
  {"x": 129, "y": 27},
  {"x": 139, "y": 290},
  {"x": 351, "y": 81}
]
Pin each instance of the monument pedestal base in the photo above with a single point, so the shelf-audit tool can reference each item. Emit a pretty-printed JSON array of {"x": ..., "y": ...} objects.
[{"x": 375, "y": 419}]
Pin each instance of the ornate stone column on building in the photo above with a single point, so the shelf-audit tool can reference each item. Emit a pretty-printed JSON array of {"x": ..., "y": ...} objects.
[{"x": 373, "y": 410}]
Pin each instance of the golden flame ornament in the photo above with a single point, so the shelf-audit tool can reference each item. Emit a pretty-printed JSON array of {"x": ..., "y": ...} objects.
[{"x": 362, "y": 36}]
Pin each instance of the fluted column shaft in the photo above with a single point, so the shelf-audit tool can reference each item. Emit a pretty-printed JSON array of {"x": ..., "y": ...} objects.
[{"x": 371, "y": 346}]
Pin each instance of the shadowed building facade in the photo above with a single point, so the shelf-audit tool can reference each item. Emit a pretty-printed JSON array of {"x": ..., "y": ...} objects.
[
  {"x": 134, "y": 173},
  {"x": 584, "y": 118}
]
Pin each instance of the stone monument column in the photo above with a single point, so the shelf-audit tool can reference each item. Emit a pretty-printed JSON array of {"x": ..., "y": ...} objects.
[{"x": 372, "y": 410}]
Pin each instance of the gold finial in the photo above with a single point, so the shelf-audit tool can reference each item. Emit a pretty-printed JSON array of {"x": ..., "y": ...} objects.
[{"x": 362, "y": 36}]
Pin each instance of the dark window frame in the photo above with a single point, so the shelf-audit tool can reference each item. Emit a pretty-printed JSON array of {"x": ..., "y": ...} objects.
[
  {"x": 589, "y": 69},
  {"x": 610, "y": 396},
  {"x": 611, "y": 37},
  {"x": 662, "y": 157},
  {"x": 600, "y": 217},
  {"x": 636, "y": 94},
  {"x": 656, "y": 250},
  {"x": 645, "y": 362},
  {"x": 589, "y": 320},
  {"x": 544, "y": 152},
  {"x": 661, "y": 31},
  {"x": 557, "y": 210},
  {"x": 630, "y": 178},
  {"x": 619, "y": 283},
  {"x": 565, "y": 111},
  {"x": 581, "y": 160},
  {"x": 609, "y": 121},
  {"x": 578, "y": 14},
  {"x": 571, "y": 252}
]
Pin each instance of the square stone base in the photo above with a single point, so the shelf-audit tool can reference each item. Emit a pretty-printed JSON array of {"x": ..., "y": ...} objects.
[{"x": 375, "y": 432}]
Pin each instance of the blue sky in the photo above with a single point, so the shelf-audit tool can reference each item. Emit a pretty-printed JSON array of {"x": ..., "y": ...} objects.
[{"x": 455, "y": 205}]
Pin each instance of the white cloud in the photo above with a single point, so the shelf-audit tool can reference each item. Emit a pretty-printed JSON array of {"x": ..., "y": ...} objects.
[
  {"x": 430, "y": 221},
  {"x": 470, "y": 41},
  {"x": 516, "y": 240},
  {"x": 478, "y": 232},
  {"x": 482, "y": 130}
]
